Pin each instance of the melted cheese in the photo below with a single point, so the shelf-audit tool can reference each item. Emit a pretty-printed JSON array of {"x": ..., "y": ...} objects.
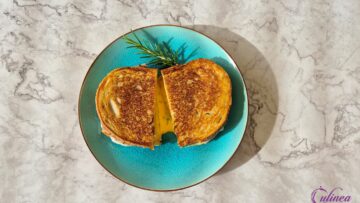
[{"x": 163, "y": 121}]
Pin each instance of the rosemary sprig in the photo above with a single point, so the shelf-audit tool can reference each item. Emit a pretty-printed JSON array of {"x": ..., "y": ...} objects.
[{"x": 160, "y": 53}]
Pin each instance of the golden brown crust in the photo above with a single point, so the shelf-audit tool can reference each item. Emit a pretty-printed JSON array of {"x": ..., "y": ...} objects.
[
  {"x": 125, "y": 103},
  {"x": 199, "y": 96}
]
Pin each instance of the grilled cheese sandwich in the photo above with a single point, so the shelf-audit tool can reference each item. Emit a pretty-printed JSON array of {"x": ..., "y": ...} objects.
[
  {"x": 136, "y": 107},
  {"x": 125, "y": 103},
  {"x": 199, "y": 98}
]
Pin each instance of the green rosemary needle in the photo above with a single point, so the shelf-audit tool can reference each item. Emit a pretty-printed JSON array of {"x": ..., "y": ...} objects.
[{"x": 160, "y": 53}]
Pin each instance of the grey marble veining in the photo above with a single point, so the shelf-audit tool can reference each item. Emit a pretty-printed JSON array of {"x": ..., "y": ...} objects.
[{"x": 300, "y": 60}]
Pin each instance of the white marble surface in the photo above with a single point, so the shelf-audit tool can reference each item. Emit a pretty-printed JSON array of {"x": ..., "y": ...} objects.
[{"x": 300, "y": 59}]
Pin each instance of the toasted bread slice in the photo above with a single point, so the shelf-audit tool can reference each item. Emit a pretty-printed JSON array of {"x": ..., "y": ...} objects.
[
  {"x": 125, "y": 103},
  {"x": 199, "y": 98}
]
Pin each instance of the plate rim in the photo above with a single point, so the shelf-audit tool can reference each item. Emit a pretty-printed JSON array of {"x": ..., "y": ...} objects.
[{"x": 169, "y": 25}]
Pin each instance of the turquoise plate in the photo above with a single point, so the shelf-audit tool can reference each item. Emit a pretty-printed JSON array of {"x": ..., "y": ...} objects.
[{"x": 168, "y": 167}]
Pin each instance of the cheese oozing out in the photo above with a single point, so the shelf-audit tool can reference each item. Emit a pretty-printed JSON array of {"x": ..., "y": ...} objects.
[{"x": 163, "y": 121}]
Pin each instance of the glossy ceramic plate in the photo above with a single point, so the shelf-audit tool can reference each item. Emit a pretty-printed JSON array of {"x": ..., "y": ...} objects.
[{"x": 168, "y": 167}]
